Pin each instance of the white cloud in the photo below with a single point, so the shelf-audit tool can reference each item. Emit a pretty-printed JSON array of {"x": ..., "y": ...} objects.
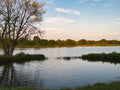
[
  {"x": 50, "y": 1},
  {"x": 82, "y": 1},
  {"x": 116, "y": 21},
  {"x": 68, "y": 11},
  {"x": 58, "y": 20}
]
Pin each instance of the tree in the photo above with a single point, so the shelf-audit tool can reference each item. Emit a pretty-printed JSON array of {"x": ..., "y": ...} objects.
[
  {"x": 18, "y": 20},
  {"x": 70, "y": 42},
  {"x": 36, "y": 40}
]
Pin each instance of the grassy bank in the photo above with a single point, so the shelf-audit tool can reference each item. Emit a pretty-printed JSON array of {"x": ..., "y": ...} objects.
[
  {"x": 18, "y": 88},
  {"x": 97, "y": 86},
  {"x": 110, "y": 57},
  {"x": 21, "y": 57}
]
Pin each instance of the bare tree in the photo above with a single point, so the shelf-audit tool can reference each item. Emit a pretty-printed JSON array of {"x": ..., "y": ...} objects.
[{"x": 18, "y": 19}]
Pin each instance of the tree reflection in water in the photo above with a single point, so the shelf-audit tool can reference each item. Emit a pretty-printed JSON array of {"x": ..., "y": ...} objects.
[{"x": 9, "y": 77}]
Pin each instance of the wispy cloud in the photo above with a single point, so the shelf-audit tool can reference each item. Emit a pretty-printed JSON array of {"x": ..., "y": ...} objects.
[
  {"x": 116, "y": 21},
  {"x": 50, "y": 1},
  {"x": 58, "y": 20},
  {"x": 68, "y": 11},
  {"x": 82, "y": 1}
]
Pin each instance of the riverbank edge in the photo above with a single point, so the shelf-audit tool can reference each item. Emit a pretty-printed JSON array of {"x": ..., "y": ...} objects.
[
  {"x": 21, "y": 57},
  {"x": 96, "y": 86}
]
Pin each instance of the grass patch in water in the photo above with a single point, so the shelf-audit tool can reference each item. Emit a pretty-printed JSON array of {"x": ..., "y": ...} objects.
[
  {"x": 21, "y": 57},
  {"x": 110, "y": 57}
]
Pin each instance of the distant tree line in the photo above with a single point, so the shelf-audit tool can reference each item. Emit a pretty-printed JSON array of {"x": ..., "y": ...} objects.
[{"x": 37, "y": 42}]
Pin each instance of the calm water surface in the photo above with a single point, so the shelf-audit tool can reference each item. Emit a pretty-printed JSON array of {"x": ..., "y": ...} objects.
[{"x": 53, "y": 73}]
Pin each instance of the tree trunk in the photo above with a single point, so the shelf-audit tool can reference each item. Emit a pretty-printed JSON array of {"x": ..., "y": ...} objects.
[{"x": 8, "y": 49}]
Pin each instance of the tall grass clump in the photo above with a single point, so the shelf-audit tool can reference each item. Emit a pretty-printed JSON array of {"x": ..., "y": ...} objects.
[
  {"x": 21, "y": 57},
  {"x": 110, "y": 57}
]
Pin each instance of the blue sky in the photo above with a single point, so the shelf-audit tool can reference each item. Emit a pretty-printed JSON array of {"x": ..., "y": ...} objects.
[{"x": 82, "y": 19}]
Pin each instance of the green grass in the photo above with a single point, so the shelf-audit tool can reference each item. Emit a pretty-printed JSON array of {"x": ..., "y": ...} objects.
[
  {"x": 98, "y": 86},
  {"x": 21, "y": 57},
  {"x": 18, "y": 88},
  {"x": 110, "y": 57}
]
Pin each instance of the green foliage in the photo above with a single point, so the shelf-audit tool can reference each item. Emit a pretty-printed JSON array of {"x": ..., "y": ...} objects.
[
  {"x": 69, "y": 57},
  {"x": 110, "y": 57},
  {"x": 21, "y": 57},
  {"x": 70, "y": 42},
  {"x": 38, "y": 43},
  {"x": 18, "y": 88},
  {"x": 98, "y": 86}
]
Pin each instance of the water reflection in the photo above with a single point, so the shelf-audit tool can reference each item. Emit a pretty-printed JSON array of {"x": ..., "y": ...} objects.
[
  {"x": 10, "y": 77},
  {"x": 65, "y": 72},
  {"x": 7, "y": 77}
]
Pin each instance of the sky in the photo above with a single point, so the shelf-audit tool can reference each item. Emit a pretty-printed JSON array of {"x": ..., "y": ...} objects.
[{"x": 82, "y": 19}]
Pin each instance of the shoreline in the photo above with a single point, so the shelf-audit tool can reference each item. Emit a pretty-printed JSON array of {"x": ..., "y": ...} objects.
[{"x": 96, "y": 86}]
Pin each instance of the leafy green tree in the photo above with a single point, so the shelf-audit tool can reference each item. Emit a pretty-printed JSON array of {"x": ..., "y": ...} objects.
[
  {"x": 18, "y": 19},
  {"x": 70, "y": 42},
  {"x": 82, "y": 42},
  {"x": 52, "y": 43},
  {"x": 36, "y": 40}
]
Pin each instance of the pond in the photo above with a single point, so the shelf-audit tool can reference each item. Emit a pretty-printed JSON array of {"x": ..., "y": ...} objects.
[{"x": 55, "y": 73}]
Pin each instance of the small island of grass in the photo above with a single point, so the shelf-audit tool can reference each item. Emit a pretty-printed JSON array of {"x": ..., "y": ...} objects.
[
  {"x": 109, "y": 57},
  {"x": 21, "y": 57},
  {"x": 104, "y": 57}
]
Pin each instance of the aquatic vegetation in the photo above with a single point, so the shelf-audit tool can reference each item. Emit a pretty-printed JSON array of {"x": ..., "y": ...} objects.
[
  {"x": 69, "y": 57},
  {"x": 110, "y": 57},
  {"x": 21, "y": 57}
]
